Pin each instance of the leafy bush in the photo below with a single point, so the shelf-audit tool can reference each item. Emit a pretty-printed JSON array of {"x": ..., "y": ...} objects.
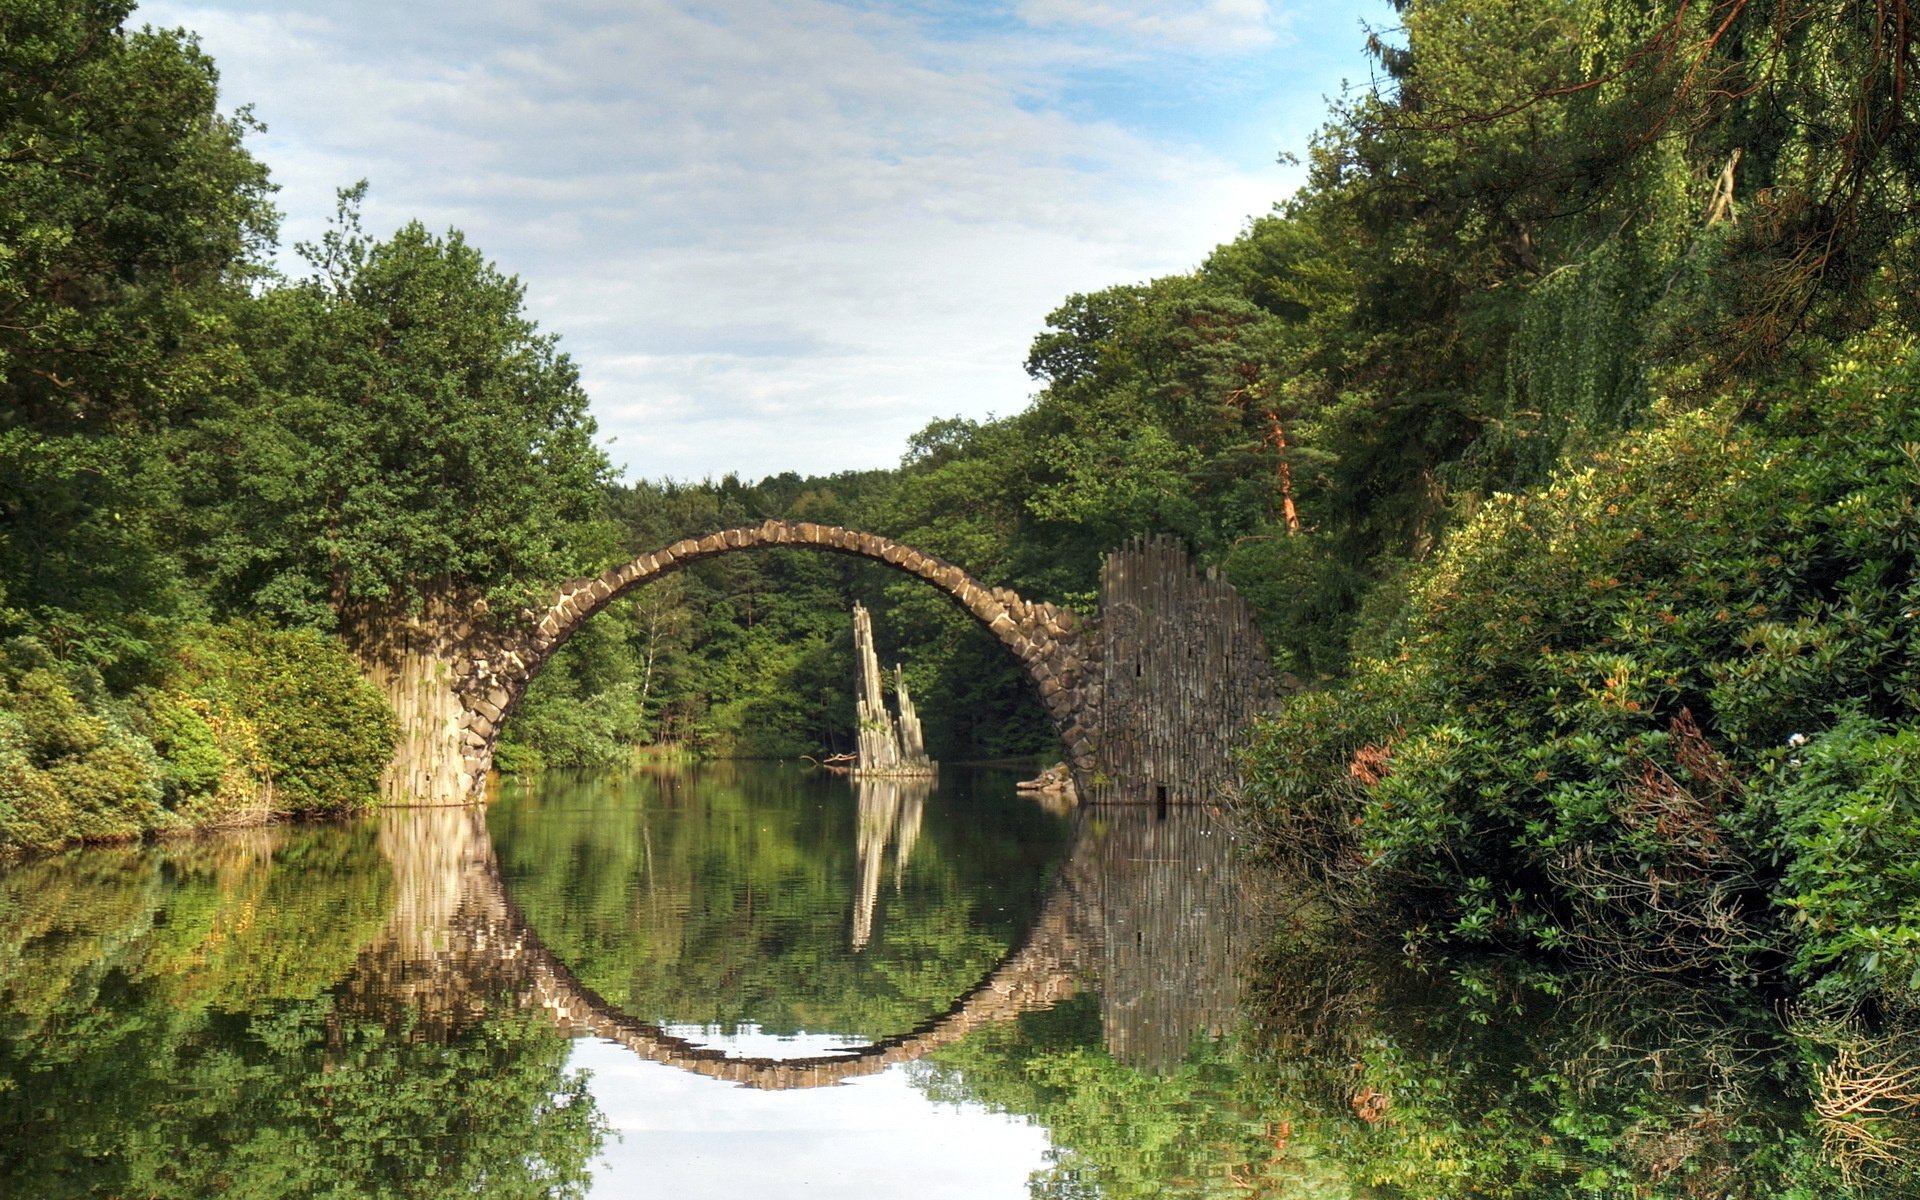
[
  {"x": 251, "y": 722},
  {"x": 67, "y": 769},
  {"x": 1850, "y": 820},
  {"x": 1571, "y": 741},
  {"x": 325, "y": 732}
]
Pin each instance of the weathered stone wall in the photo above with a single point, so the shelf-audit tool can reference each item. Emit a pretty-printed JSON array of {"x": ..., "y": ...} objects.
[
  {"x": 1182, "y": 674},
  {"x": 415, "y": 660}
]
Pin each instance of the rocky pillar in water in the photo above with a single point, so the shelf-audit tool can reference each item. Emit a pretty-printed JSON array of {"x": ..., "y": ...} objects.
[
  {"x": 879, "y": 746},
  {"x": 913, "y": 746}
]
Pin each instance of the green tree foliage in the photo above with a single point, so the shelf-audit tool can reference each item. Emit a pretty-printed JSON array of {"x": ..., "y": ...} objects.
[
  {"x": 1587, "y": 740},
  {"x": 131, "y": 217},
  {"x": 414, "y": 434}
]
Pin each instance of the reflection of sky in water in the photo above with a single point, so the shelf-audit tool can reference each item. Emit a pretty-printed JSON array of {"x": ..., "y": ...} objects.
[
  {"x": 683, "y": 1135},
  {"x": 748, "y": 1041}
]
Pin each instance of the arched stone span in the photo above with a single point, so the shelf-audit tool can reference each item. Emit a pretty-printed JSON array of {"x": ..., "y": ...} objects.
[
  {"x": 1143, "y": 904},
  {"x": 456, "y": 937},
  {"x": 1042, "y": 972},
  {"x": 454, "y": 680}
]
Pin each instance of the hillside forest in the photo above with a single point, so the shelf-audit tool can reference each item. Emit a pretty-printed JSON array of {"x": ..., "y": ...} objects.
[{"x": 1560, "y": 430}]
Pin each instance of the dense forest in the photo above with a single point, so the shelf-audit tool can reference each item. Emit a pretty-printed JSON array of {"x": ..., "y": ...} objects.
[{"x": 1560, "y": 430}]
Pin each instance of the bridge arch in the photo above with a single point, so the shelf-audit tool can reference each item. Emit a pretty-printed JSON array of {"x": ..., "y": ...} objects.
[
  {"x": 1142, "y": 902},
  {"x": 489, "y": 670},
  {"x": 1151, "y": 697},
  {"x": 456, "y": 936}
]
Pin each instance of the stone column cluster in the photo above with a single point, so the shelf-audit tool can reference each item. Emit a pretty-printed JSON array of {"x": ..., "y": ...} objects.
[{"x": 885, "y": 748}]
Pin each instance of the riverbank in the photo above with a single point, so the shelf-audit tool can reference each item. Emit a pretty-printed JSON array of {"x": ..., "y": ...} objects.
[{"x": 239, "y": 724}]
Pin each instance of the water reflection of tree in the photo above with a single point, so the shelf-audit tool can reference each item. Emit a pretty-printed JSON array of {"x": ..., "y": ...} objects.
[
  {"x": 716, "y": 896},
  {"x": 1352, "y": 1073},
  {"x": 172, "y": 1024},
  {"x": 1491, "y": 1079}
]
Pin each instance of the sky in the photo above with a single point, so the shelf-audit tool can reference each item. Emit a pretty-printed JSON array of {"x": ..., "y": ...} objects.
[{"x": 783, "y": 235}]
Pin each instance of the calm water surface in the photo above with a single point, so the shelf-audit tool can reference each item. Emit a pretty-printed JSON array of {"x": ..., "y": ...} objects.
[{"x": 748, "y": 979}]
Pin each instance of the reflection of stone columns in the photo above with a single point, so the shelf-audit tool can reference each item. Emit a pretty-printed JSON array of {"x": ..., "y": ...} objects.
[
  {"x": 913, "y": 805},
  {"x": 450, "y": 946},
  {"x": 1162, "y": 891},
  {"x": 438, "y": 854},
  {"x": 890, "y": 811}
]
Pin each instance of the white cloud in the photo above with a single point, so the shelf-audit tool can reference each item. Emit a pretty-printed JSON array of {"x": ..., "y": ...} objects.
[
  {"x": 776, "y": 234},
  {"x": 1217, "y": 25}
]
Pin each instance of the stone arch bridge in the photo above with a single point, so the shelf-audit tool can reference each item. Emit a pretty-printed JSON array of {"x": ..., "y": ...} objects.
[
  {"x": 1140, "y": 908},
  {"x": 1149, "y": 696}
]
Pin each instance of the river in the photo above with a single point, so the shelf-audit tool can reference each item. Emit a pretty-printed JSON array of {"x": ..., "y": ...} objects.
[{"x": 753, "y": 979}]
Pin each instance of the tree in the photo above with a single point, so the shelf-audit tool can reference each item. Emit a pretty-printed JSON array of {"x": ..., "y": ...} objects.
[
  {"x": 416, "y": 437},
  {"x": 132, "y": 219}
]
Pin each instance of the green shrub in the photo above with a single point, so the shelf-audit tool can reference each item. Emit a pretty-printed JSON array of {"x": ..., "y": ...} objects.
[
  {"x": 52, "y": 720},
  {"x": 1568, "y": 745},
  {"x": 1849, "y": 811},
  {"x": 33, "y": 812},
  {"x": 192, "y": 762},
  {"x": 325, "y": 732},
  {"x": 66, "y": 770},
  {"x": 251, "y": 721}
]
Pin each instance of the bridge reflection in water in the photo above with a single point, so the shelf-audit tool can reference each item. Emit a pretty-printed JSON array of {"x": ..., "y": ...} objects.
[{"x": 1143, "y": 909}]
